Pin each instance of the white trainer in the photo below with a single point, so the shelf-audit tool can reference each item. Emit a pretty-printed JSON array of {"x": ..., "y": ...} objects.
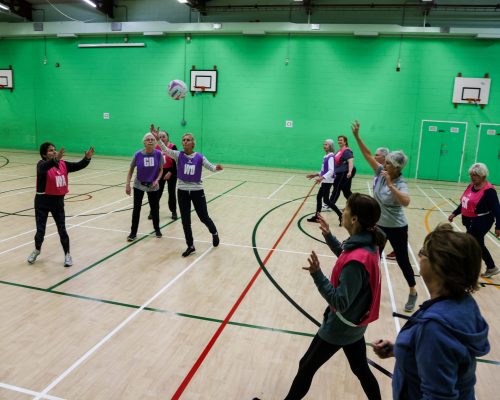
[
  {"x": 68, "y": 261},
  {"x": 34, "y": 254}
]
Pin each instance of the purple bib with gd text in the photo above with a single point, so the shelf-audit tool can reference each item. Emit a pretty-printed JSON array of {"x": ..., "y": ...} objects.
[{"x": 148, "y": 165}]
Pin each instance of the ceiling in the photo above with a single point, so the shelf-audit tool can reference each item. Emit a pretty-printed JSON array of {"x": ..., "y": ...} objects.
[{"x": 411, "y": 13}]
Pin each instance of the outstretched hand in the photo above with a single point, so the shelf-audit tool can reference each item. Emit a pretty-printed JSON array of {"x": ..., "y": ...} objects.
[
  {"x": 323, "y": 225},
  {"x": 60, "y": 153},
  {"x": 355, "y": 129},
  {"x": 89, "y": 153},
  {"x": 218, "y": 167},
  {"x": 313, "y": 263},
  {"x": 154, "y": 132}
]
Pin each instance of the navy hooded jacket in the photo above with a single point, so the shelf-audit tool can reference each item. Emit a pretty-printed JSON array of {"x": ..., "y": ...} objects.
[{"x": 436, "y": 351}]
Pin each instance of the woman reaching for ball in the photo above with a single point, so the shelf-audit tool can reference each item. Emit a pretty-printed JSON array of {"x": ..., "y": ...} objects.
[
  {"x": 391, "y": 192},
  {"x": 352, "y": 294},
  {"x": 190, "y": 187}
]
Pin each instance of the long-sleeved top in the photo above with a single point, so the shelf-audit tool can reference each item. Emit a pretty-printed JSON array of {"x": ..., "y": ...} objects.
[
  {"x": 436, "y": 351},
  {"x": 184, "y": 185},
  {"x": 352, "y": 298},
  {"x": 488, "y": 204},
  {"x": 44, "y": 166}
]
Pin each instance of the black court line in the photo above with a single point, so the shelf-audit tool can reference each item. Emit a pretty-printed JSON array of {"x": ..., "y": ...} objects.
[
  {"x": 129, "y": 245},
  {"x": 185, "y": 315},
  {"x": 15, "y": 213},
  {"x": 5, "y": 162},
  {"x": 283, "y": 292}
]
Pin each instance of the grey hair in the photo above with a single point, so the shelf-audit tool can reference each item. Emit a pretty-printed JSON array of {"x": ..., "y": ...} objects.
[
  {"x": 479, "y": 169},
  {"x": 397, "y": 158},
  {"x": 383, "y": 151},
  {"x": 331, "y": 147},
  {"x": 146, "y": 136}
]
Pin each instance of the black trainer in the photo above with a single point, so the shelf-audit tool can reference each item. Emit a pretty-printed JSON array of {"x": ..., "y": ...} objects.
[
  {"x": 158, "y": 234},
  {"x": 313, "y": 219},
  {"x": 189, "y": 250},
  {"x": 131, "y": 237},
  {"x": 215, "y": 239},
  {"x": 174, "y": 216}
]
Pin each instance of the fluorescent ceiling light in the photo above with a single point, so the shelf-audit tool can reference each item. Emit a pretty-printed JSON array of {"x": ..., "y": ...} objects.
[
  {"x": 156, "y": 33},
  {"x": 315, "y": 27},
  {"x": 366, "y": 34},
  {"x": 217, "y": 26},
  {"x": 66, "y": 35},
  {"x": 182, "y": 1},
  {"x": 254, "y": 33},
  {"x": 487, "y": 36},
  {"x": 99, "y": 45},
  {"x": 90, "y": 3},
  {"x": 4, "y": 7}
]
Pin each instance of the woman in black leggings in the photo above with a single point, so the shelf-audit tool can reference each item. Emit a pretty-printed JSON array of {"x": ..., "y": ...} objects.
[
  {"x": 344, "y": 172},
  {"x": 352, "y": 294},
  {"x": 325, "y": 179}
]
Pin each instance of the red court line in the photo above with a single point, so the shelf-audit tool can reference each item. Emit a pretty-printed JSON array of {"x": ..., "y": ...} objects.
[{"x": 216, "y": 335}]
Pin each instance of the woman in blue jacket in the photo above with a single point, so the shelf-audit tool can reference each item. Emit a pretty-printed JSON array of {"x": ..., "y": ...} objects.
[{"x": 437, "y": 348}]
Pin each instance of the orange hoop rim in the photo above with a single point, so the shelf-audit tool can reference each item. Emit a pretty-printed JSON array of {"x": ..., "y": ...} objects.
[{"x": 472, "y": 100}]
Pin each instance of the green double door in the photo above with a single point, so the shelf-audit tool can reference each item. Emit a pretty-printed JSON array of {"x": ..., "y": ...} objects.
[
  {"x": 488, "y": 150},
  {"x": 441, "y": 150}
]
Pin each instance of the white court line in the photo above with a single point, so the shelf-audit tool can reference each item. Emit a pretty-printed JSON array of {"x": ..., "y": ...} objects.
[
  {"x": 73, "y": 226},
  {"x": 283, "y": 185},
  {"x": 494, "y": 241},
  {"x": 242, "y": 246},
  {"x": 387, "y": 277},
  {"x": 119, "y": 327},
  {"x": 27, "y": 391}
]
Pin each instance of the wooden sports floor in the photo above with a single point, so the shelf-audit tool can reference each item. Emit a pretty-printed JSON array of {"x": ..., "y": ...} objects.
[{"x": 138, "y": 321}]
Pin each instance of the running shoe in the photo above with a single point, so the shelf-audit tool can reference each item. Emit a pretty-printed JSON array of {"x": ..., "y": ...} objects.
[{"x": 34, "y": 254}]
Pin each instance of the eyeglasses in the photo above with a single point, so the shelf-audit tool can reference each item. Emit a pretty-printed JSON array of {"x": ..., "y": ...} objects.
[{"x": 423, "y": 253}]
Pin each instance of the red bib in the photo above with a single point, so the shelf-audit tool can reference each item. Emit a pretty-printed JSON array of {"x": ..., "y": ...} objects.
[
  {"x": 167, "y": 161},
  {"x": 470, "y": 199},
  {"x": 57, "y": 180},
  {"x": 370, "y": 262},
  {"x": 339, "y": 154}
]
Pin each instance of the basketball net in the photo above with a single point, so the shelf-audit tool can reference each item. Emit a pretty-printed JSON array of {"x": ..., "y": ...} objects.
[
  {"x": 473, "y": 101},
  {"x": 201, "y": 89}
]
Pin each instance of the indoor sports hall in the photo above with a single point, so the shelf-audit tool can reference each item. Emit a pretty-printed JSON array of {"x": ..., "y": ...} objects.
[{"x": 267, "y": 82}]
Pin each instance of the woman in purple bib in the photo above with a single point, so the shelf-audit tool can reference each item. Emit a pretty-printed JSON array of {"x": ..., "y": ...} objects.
[
  {"x": 190, "y": 188},
  {"x": 149, "y": 163},
  {"x": 479, "y": 207},
  {"x": 325, "y": 179}
]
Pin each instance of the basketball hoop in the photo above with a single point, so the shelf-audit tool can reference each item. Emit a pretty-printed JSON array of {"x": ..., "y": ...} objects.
[
  {"x": 473, "y": 101},
  {"x": 199, "y": 90}
]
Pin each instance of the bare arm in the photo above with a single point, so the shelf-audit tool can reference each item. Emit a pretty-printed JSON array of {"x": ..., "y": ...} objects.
[
  {"x": 399, "y": 195},
  {"x": 129, "y": 178},
  {"x": 364, "y": 150},
  {"x": 350, "y": 166}
]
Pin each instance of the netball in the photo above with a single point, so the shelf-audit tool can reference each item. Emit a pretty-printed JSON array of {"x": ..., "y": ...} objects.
[{"x": 177, "y": 89}]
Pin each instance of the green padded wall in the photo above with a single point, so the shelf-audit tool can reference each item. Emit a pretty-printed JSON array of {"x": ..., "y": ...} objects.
[{"x": 327, "y": 83}]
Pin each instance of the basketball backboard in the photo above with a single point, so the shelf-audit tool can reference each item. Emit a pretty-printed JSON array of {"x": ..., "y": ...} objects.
[
  {"x": 6, "y": 81},
  {"x": 471, "y": 90},
  {"x": 203, "y": 81}
]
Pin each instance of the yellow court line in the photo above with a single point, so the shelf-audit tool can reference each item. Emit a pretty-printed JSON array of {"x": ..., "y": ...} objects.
[
  {"x": 428, "y": 229},
  {"x": 428, "y": 214}
]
